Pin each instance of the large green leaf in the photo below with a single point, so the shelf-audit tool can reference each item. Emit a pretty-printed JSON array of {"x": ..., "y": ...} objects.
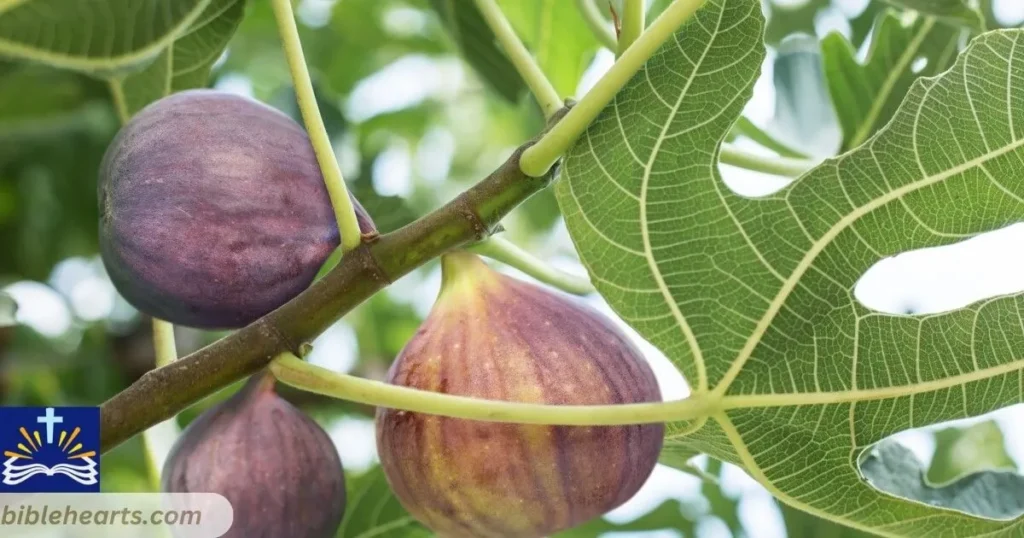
[
  {"x": 803, "y": 525},
  {"x": 994, "y": 494},
  {"x": 99, "y": 36},
  {"x": 753, "y": 299},
  {"x": 477, "y": 43},
  {"x": 557, "y": 35},
  {"x": 866, "y": 96},
  {"x": 185, "y": 63},
  {"x": 951, "y": 11}
]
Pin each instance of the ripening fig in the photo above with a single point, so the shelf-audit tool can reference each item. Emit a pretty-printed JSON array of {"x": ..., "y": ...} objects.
[
  {"x": 213, "y": 211},
  {"x": 276, "y": 466},
  {"x": 491, "y": 336}
]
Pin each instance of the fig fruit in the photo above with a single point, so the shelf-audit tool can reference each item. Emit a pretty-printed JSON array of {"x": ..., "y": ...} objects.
[
  {"x": 213, "y": 211},
  {"x": 491, "y": 336},
  {"x": 276, "y": 466}
]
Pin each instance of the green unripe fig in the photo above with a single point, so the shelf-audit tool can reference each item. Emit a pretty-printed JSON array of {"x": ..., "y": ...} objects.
[
  {"x": 491, "y": 336},
  {"x": 276, "y": 466},
  {"x": 213, "y": 210}
]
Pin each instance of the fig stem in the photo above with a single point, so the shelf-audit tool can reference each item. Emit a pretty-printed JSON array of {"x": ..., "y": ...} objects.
[
  {"x": 597, "y": 23},
  {"x": 163, "y": 342},
  {"x": 159, "y": 439},
  {"x": 779, "y": 166},
  {"x": 633, "y": 23},
  {"x": 344, "y": 211},
  {"x": 297, "y": 373},
  {"x": 506, "y": 252},
  {"x": 539, "y": 84}
]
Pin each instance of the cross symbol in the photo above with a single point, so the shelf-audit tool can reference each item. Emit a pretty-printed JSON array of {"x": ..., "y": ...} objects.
[{"x": 49, "y": 419}]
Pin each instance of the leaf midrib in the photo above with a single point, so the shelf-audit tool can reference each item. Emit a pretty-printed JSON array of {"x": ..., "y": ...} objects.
[
  {"x": 659, "y": 279},
  {"x": 751, "y": 466}
]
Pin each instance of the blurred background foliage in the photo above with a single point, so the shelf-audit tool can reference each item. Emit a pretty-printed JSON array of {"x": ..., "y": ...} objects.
[{"x": 420, "y": 103}]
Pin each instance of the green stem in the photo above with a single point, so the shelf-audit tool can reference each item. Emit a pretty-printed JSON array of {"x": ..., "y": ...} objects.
[
  {"x": 508, "y": 253},
  {"x": 747, "y": 128},
  {"x": 779, "y": 166},
  {"x": 597, "y": 23},
  {"x": 539, "y": 158},
  {"x": 344, "y": 211},
  {"x": 632, "y": 23},
  {"x": 521, "y": 58},
  {"x": 159, "y": 439},
  {"x": 117, "y": 94},
  {"x": 293, "y": 371},
  {"x": 163, "y": 342},
  {"x": 693, "y": 470}
]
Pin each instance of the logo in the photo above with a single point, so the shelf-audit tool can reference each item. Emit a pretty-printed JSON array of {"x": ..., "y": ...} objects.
[{"x": 51, "y": 449}]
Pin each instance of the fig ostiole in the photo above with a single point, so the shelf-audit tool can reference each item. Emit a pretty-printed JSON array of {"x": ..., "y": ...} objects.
[
  {"x": 491, "y": 336},
  {"x": 213, "y": 210},
  {"x": 276, "y": 466}
]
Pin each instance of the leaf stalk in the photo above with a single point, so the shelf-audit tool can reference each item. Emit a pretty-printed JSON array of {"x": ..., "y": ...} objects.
[
  {"x": 540, "y": 157},
  {"x": 297, "y": 373},
  {"x": 598, "y": 25},
  {"x": 506, "y": 252},
  {"x": 633, "y": 23},
  {"x": 344, "y": 211},
  {"x": 539, "y": 84},
  {"x": 768, "y": 164}
]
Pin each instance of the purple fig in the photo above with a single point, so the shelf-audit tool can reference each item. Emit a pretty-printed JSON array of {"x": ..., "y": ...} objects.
[
  {"x": 491, "y": 336},
  {"x": 213, "y": 211},
  {"x": 277, "y": 467}
]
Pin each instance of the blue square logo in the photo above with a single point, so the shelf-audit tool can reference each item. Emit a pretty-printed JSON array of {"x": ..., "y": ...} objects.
[{"x": 50, "y": 449}]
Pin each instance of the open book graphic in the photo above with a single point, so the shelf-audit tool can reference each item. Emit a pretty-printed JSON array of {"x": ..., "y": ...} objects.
[{"x": 84, "y": 473}]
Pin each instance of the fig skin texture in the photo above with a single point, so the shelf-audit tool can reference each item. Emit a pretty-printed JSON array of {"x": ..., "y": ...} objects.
[
  {"x": 495, "y": 337},
  {"x": 276, "y": 466},
  {"x": 213, "y": 210}
]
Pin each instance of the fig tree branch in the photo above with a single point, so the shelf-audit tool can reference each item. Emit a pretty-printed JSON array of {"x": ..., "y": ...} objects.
[
  {"x": 297, "y": 373},
  {"x": 598, "y": 25},
  {"x": 344, "y": 211},
  {"x": 472, "y": 216},
  {"x": 633, "y": 22},
  {"x": 539, "y": 84},
  {"x": 508, "y": 253}
]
